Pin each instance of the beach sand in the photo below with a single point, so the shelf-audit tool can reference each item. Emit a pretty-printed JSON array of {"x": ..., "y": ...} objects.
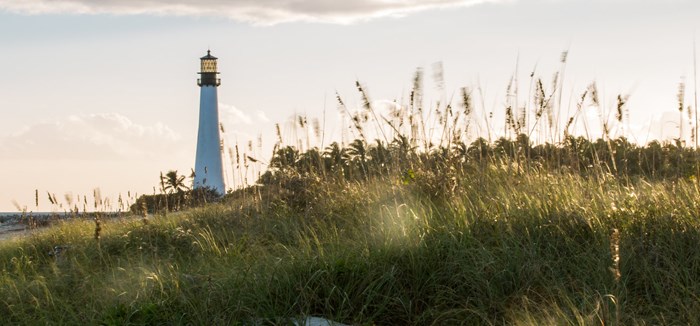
[{"x": 12, "y": 230}]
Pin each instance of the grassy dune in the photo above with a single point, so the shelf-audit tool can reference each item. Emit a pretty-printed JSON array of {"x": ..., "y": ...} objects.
[
  {"x": 500, "y": 248},
  {"x": 426, "y": 224}
]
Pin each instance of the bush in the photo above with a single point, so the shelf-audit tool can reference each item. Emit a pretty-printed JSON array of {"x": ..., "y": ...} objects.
[{"x": 176, "y": 201}]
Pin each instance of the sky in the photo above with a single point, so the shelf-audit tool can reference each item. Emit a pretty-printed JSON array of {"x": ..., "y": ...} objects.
[{"x": 103, "y": 94}]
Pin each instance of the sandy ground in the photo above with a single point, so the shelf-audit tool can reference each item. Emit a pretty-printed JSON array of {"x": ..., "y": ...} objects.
[{"x": 12, "y": 230}]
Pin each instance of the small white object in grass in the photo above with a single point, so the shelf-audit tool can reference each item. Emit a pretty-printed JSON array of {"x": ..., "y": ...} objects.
[{"x": 317, "y": 321}]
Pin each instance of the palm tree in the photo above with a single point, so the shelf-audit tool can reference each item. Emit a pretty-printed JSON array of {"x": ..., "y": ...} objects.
[
  {"x": 357, "y": 153},
  {"x": 285, "y": 158},
  {"x": 311, "y": 161},
  {"x": 402, "y": 149},
  {"x": 335, "y": 157},
  {"x": 380, "y": 157},
  {"x": 172, "y": 182}
]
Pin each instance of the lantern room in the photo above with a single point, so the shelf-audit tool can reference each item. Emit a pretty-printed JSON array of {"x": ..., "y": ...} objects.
[{"x": 208, "y": 71}]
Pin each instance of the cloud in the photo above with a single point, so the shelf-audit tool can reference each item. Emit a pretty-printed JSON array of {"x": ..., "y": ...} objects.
[
  {"x": 264, "y": 12},
  {"x": 106, "y": 136},
  {"x": 262, "y": 116},
  {"x": 231, "y": 115},
  {"x": 667, "y": 127}
]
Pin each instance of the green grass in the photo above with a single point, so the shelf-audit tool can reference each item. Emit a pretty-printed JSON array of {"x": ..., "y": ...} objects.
[{"x": 501, "y": 248}]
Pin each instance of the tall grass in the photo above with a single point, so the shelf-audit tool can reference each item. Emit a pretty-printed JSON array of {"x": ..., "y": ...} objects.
[
  {"x": 501, "y": 248},
  {"x": 427, "y": 224}
]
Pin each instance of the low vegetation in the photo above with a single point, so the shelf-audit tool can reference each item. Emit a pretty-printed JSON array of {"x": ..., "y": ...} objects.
[
  {"x": 409, "y": 229},
  {"x": 500, "y": 249}
]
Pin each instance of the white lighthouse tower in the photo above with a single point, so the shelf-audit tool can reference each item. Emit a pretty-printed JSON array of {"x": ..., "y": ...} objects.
[{"x": 208, "y": 167}]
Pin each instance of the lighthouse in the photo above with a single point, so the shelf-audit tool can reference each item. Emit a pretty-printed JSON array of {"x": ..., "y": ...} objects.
[{"x": 208, "y": 167}]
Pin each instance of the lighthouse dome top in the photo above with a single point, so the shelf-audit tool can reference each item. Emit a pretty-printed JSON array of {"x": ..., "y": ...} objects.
[
  {"x": 208, "y": 64},
  {"x": 208, "y": 71},
  {"x": 208, "y": 56}
]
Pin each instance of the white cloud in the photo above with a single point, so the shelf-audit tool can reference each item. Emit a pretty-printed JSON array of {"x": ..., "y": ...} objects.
[
  {"x": 105, "y": 136},
  {"x": 667, "y": 127},
  {"x": 255, "y": 11},
  {"x": 262, "y": 116},
  {"x": 231, "y": 115}
]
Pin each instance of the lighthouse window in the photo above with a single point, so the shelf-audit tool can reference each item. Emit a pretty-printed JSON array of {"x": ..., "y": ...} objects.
[{"x": 208, "y": 66}]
